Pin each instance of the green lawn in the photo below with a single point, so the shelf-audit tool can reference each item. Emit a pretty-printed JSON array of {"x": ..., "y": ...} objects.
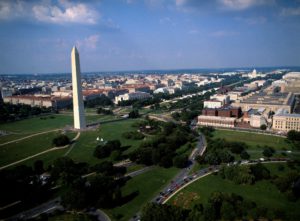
[
  {"x": 10, "y": 137},
  {"x": 36, "y": 125},
  {"x": 47, "y": 158},
  {"x": 148, "y": 185},
  {"x": 70, "y": 217},
  {"x": 19, "y": 150},
  {"x": 253, "y": 139},
  {"x": 263, "y": 193},
  {"x": 84, "y": 148},
  {"x": 134, "y": 167}
]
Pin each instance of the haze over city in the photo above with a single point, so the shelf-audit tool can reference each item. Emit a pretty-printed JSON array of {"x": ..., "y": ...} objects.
[{"x": 36, "y": 36}]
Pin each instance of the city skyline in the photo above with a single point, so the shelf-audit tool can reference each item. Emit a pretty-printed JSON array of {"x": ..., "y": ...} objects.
[{"x": 151, "y": 34}]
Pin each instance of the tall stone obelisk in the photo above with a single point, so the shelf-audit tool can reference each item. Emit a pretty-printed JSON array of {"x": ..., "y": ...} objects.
[{"x": 78, "y": 109}]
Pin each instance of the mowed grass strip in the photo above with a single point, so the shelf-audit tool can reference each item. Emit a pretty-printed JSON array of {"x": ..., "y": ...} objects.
[
  {"x": 263, "y": 193},
  {"x": 10, "y": 137},
  {"x": 86, "y": 144},
  {"x": 21, "y": 149},
  {"x": 252, "y": 139},
  {"x": 36, "y": 124},
  {"x": 70, "y": 217},
  {"x": 148, "y": 185},
  {"x": 47, "y": 158},
  {"x": 115, "y": 130},
  {"x": 49, "y": 122}
]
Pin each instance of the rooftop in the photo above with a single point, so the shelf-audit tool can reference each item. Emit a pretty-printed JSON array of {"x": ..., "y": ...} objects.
[{"x": 272, "y": 99}]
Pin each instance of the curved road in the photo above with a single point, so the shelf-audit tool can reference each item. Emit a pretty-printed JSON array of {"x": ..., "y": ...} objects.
[
  {"x": 166, "y": 196},
  {"x": 183, "y": 174}
]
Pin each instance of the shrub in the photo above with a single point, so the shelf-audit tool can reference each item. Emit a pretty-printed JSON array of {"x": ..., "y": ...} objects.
[
  {"x": 133, "y": 135},
  {"x": 61, "y": 140}
]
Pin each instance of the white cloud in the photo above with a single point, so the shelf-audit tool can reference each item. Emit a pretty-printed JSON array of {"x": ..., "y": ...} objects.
[
  {"x": 65, "y": 12},
  {"x": 167, "y": 21},
  {"x": 223, "y": 33},
  {"x": 252, "y": 20},
  {"x": 89, "y": 42},
  {"x": 129, "y": 1},
  {"x": 10, "y": 9},
  {"x": 290, "y": 12},
  {"x": 180, "y": 2},
  {"x": 50, "y": 11},
  {"x": 243, "y": 4},
  {"x": 5, "y": 10},
  {"x": 193, "y": 31},
  {"x": 155, "y": 3}
]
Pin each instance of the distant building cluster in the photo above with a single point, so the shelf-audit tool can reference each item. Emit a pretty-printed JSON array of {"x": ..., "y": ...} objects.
[
  {"x": 132, "y": 96},
  {"x": 257, "y": 102},
  {"x": 40, "y": 101},
  {"x": 57, "y": 94},
  {"x": 254, "y": 104}
]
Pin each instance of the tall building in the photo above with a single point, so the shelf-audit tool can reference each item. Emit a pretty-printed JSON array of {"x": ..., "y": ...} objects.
[
  {"x": 284, "y": 121},
  {"x": 78, "y": 109}
]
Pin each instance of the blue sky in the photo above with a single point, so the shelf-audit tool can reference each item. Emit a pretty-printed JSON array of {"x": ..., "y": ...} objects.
[{"x": 37, "y": 36}]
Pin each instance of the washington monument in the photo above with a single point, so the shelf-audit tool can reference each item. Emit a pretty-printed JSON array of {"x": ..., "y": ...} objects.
[{"x": 78, "y": 109}]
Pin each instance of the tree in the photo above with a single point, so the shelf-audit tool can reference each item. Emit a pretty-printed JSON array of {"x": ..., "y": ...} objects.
[
  {"x": 293, "y": 135},
  {"x": 104, "y": 150},
  {"x": 116, "y": 155},
  {"x": 228, "y": 211},
  {"x": 263, "y": 127},
  {"x": 104, "y": 111},
  {"x": 61, "y": 140},
  {"x": 200, "y": 159},
  {"x": 244, "y": 155},
  {"x": 268, "y": 151},
  {"x": 145, "y": 156},
  {"x": 133, "y": 135},
  {"x": 101, "y": 151},
  {"x": 238, "y": 174},
  {"x": 260, "y": 172},
  {"x": 180, "y": 161},
  {"x": 285, "y": 183},
  {"x": 102, "y": 101},
  {"x": 38, "y": 167},
  {"x": 236, "y": 147},
  {"x": 134, "y": 114},
  {"x": 154, "y": 212},
  {"x": 105, "y": 167},
  {"x": 66, "y": 169},
  {"x": 207, "y": 131},
  {"x": 166, "y": 161},
  {"x": 102, "y": 190},
  {"x": 74, "y": 199}
]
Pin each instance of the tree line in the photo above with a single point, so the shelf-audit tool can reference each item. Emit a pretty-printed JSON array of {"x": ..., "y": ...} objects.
[
  {"x": 161, "y": 149},
  {"x": 219, "y": 206},
  {"x": 33, "y": 185},
  {"x": 12, "y": 112}
]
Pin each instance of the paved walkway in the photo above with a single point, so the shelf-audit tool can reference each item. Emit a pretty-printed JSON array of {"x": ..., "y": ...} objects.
[
  {"x": 73, "y": 144},
  {"x": 41, "y": 153},
  {"x": 32, "y": 135}
]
